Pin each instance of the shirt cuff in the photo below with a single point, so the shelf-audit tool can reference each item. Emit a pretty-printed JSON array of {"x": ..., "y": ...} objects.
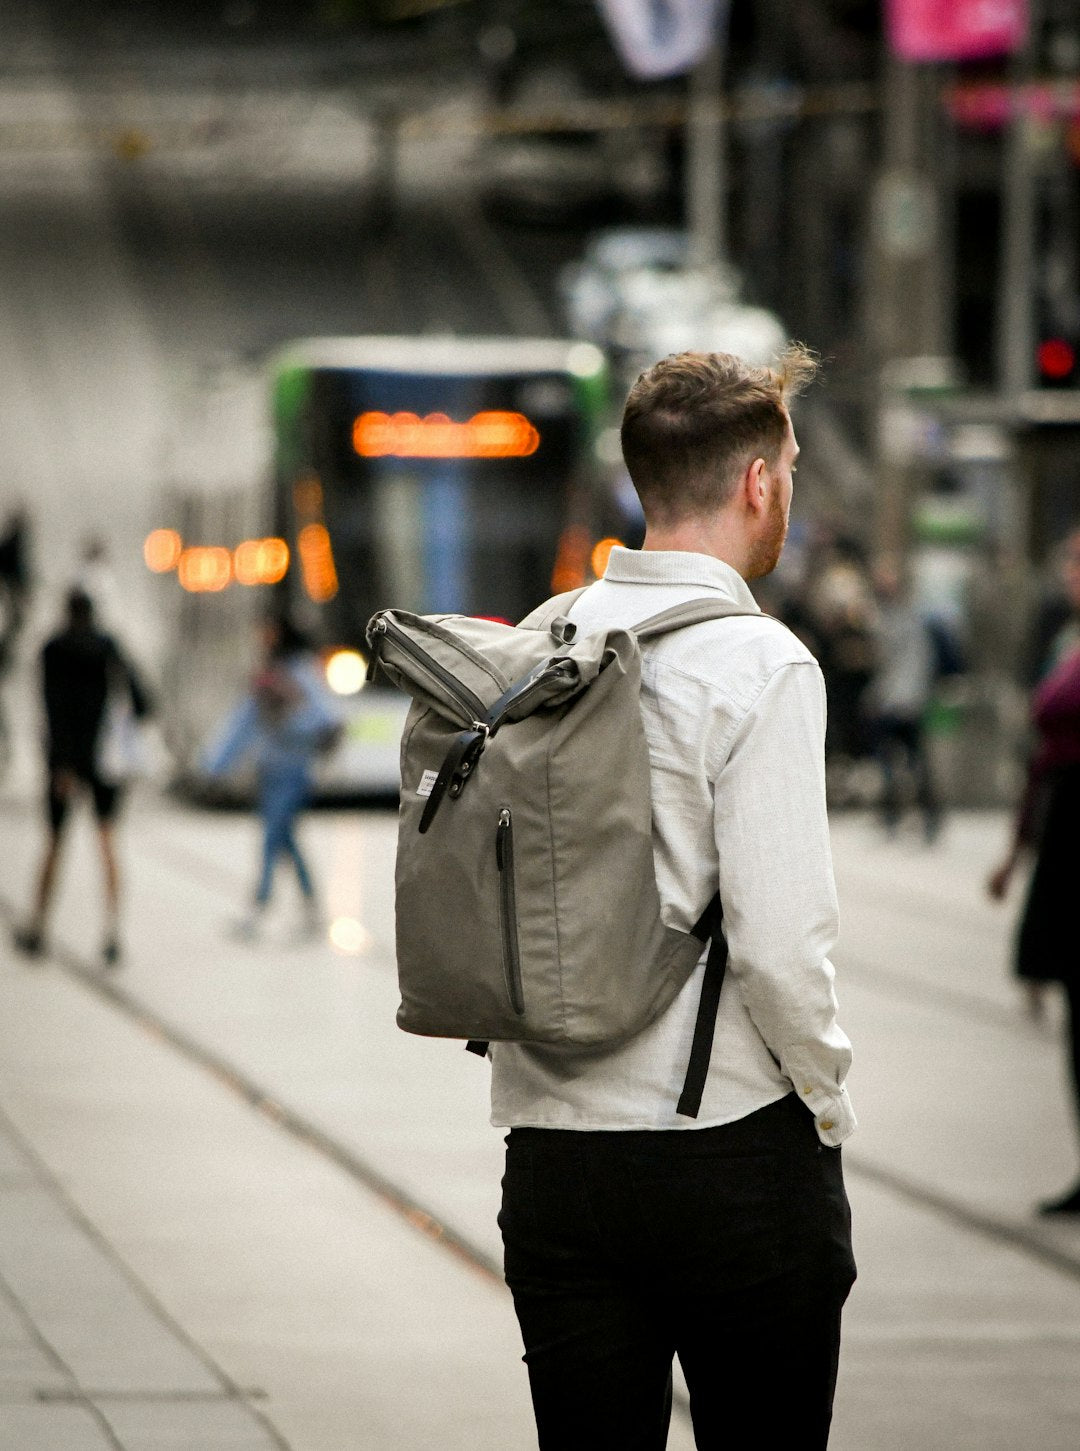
[{"x": 834, "y": 1117}]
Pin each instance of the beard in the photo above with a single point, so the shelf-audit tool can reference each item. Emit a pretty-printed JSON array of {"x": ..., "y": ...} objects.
[{"x": 769, "y": 546}]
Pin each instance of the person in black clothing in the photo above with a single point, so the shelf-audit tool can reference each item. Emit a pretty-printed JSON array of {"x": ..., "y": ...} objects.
[
  {"x": 14, "y": 595},
  {"x": 80, "y": 667},
  {"x": 14, "y": 569}
]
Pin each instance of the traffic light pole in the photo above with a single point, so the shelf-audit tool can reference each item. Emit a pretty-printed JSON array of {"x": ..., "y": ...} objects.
[
  {"x": 706, "y": 161},
  {"x": 907, "y": 312},
  {"x": 1016, "y": 302}
]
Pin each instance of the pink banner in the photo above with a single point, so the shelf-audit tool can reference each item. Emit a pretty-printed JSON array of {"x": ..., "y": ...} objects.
[{"x": 927, "y": 30}]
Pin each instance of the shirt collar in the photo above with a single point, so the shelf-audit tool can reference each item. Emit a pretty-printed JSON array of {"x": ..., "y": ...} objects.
[{"x": 678, "y": 566}]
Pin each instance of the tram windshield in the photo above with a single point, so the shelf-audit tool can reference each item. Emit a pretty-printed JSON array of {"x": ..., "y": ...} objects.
[{"x": 434, "y": 491}]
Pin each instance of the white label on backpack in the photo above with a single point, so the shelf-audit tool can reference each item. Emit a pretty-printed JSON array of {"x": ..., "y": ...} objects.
[{"x": 427, "y": 783}]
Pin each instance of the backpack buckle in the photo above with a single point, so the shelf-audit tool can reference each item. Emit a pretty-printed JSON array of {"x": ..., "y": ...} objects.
[
  {"x": 456, "y": 769},
  {"x": 473, "y": 750}
]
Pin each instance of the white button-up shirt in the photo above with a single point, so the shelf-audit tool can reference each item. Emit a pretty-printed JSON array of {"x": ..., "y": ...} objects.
[{"x": 734, "y": 713}]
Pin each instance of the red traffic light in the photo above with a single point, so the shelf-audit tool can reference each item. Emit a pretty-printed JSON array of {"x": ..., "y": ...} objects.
[{"x": 1057, "y": 358}]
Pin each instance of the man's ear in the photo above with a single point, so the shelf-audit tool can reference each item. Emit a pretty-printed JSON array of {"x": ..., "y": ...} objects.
[{"x": 754, "y": 486}]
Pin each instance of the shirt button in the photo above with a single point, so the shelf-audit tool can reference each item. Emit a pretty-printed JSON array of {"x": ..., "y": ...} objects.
[
  {"x": 809, "y": 1088},
  {"x": 826, "y": 1124}
]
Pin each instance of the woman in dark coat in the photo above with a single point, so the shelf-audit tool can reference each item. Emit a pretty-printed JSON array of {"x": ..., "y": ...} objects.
[{"x": 1047, "y": 948}]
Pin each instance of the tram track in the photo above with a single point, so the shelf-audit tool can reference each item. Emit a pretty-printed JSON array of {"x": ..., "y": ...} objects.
[
  {"x": 279, "y": 1109},
  {"x": 904, "y": 987},
  {"x": 94, "y": 1402},
  {"x": 434, "y": 1227},
  {"x": 273, "y": 1108},
  {"x": 965, "y": 1006},
  {"x": 1027, "y": 1239}
]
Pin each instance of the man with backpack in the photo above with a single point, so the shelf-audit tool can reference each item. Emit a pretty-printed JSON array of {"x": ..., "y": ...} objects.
[{"x": 633, "y": 1234}]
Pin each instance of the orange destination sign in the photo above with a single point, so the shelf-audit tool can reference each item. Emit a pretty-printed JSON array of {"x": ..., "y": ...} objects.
[{"x": 407, "y": 435}]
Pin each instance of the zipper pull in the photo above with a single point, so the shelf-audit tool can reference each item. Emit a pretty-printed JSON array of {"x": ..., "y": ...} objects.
[
  {"x": 500, "y": 839},
  {"x": 376, "y": 634}
]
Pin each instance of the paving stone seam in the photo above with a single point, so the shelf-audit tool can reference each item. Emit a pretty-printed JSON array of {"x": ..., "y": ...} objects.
[
  {"x": 172, "y": 1397},
  {"x": 230, "y": 1390},
  {"x": 1003, "y": 1232},
  {"x": 1025, "y": 1238},
  {"x": 268, "y": 1106},
  {"x": 1018, "y": 1236},
  {"x": 75, "y": 1394},
  {"x": 278, "y": 1113}
]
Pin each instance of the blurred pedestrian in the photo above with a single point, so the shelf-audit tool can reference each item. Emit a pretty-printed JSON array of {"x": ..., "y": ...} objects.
[
  {"x": 285, "y": 721},
  {"x": 1056, "y": 627},
  {"x": 14, "y": 598},
  {"x": 897, "y": 698},
  {"x": 81, "y": 668},
  {"x": 1046, "y": 827},
  {"x": 633, "y": 1233},
  {"x": 838, "y": 627},
  {"x": 14, "y": 571}
]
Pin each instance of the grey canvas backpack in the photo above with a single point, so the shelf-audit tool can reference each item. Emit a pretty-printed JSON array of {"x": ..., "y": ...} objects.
[{"x": 526, "y": 901}]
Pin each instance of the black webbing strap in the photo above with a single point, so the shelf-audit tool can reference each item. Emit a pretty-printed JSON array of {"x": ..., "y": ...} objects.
[
  {"x": 468, "y": 746},
  {"x": 707, "y": 928},
  {"x": 709, "y": 925},
  {"x": 454, "y": 771}
]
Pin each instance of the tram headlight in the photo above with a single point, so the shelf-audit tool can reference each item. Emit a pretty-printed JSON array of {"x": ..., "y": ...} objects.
[
  {"x": 349, "y": 936},
  {"x": 346, "y": 671},
  {"x": 585, "y": 360},
  {"x": 162, "y": 549}
]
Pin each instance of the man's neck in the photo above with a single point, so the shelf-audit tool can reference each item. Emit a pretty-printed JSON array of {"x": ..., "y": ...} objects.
[{"x": 712, "y": 537}]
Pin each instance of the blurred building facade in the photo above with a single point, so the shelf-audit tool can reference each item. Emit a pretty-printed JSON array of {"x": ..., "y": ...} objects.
[
  {"x": 250, "y": 171},
  {"x": 910, "y": 204}
]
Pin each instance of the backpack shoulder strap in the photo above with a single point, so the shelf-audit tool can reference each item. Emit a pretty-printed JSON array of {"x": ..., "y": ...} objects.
[{"x": 691, "y": 612}]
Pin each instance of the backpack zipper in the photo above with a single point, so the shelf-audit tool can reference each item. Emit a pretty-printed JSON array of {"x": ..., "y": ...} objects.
[
  {"x": 524, "y": 689},
  {"x": 471, "y": 704},
  {"x": 504, "y": 857}
]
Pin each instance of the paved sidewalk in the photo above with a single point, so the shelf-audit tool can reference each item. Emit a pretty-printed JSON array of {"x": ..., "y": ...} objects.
[
  {"x": 182, "y": 1265},
  {"x": 198, "y": 1280},
  {"x": 88, "y": 1360}
]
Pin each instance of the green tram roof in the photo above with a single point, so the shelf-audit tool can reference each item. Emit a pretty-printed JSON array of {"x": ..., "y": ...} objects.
[{"x": 448, "y": 355}]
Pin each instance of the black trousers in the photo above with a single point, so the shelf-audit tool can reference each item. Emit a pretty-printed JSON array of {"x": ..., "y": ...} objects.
[{"x": 729, "y": 1247}]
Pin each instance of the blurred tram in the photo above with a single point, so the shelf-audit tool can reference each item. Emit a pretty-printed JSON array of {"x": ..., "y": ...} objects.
[{"x": 431, "y": 474}]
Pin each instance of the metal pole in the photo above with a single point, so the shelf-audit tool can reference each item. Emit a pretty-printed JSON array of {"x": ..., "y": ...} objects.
[
  {"x": 1016, "y": 303},
  {"x": 706, "y": 170},
  {"x": 895, "y": 311},
  {"x": 907, "y": 307}
]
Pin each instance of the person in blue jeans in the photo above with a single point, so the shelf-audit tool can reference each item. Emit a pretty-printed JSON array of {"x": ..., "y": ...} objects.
[{"x": 285, "y": 721}]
